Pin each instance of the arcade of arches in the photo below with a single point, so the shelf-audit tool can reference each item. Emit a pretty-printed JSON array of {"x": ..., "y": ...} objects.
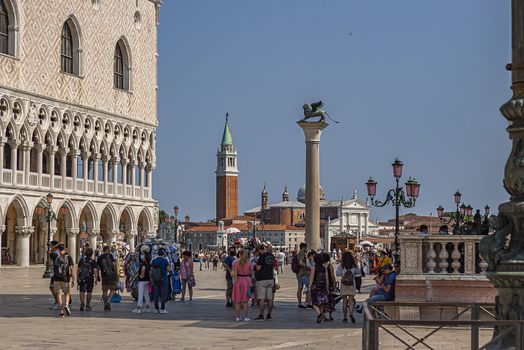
[{"x": 23, "y": 227}]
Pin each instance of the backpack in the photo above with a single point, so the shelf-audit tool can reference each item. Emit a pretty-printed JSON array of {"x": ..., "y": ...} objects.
[
  {"x": 84, "y": 273},
  {"x": 320, "y": 278},
  {"x": 61, "y": 267},
  {"x": 156, "y": 274},
  {"x": 295, "y": 266},
  {"x": 108, "y": 269},
  {"x": 347, "y": 278}
]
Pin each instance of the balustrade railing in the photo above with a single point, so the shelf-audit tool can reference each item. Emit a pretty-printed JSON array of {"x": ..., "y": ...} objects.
[
  {"x": 45, "y": 183},
  {"x": 437, "y": 254}
]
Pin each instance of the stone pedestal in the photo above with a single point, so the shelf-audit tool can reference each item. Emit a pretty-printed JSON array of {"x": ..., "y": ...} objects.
[
  {"x": 312, "y": 133},
  {"x": 23, "y": 234}
]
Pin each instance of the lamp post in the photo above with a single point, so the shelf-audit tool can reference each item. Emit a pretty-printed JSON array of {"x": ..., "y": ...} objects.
[
  {"x": 396, "y": 196},
  {"x": 463, "y": 212},
  {"x": 47, "y": 214},
  {"x": 175, "y": 211}
]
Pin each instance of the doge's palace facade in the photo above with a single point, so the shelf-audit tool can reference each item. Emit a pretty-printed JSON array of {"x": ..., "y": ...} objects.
[{"x": 78, "y": 118}]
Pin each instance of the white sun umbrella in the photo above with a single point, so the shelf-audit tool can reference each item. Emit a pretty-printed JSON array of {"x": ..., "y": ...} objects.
[
  {"x": 366, "y": 243},
  {"x": 232, "y": 230}
]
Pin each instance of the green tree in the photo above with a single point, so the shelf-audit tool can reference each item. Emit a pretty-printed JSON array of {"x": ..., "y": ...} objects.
[{"x": 162, "y": 215}]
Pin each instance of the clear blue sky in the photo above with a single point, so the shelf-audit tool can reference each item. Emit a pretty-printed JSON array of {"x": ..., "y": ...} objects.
[{"x": 418, "y": 80}]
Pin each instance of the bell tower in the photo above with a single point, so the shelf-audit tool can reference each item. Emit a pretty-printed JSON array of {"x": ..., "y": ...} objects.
[{"x": 226, "y": 177}]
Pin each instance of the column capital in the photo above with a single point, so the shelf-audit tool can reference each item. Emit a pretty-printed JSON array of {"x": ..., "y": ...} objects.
[
  {"x": 106, "y": 158},
  {"x": 133, "y": 233},
  {"x": 3, "y": 140},
  {"x": 142, "y": 165},
  {"x": 27, "y": 145},
  {"x": 93, "y": 233},
  {"x": 312, "y": 130},
  {"x": 95, "y": 155},
  {"x": 40, "y": 147},
  {"x": 74, "y": 152},
  {"x": 149, "y": 167},
  {"x": 2, "y": 228},
  {"x": 63, "y": 151},
  {"x": 14, "y": 143},
  {"x": 52, "y": 149},
  {"x": 115, "y": 159},
  {"x": 72, "y": 232},
  {"x": 24, "y": 231},
  {"x": 85, "y": 155}
]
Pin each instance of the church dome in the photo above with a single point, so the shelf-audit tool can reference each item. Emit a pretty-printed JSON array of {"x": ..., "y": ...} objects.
[{"x": 301, "y": 195}]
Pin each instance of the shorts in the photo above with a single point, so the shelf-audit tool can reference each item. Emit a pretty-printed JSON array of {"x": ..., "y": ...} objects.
[
  {"x": 86, "y": 286},
  {"x": 303, "y": 281},
  {"x": 52, "y": 282},
  {"x": 62, "y": 287},
  {"x": 108, "y": 285},
  {"x": 377, "y": 297},
  {"x": 265, "y": 289}
]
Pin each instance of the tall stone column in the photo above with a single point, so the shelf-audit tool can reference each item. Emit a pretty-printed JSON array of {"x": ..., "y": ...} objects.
[
  {"x": 14, "y": 159},
  {"x": 133, "y": 177},
  {"x": 39, "y": 162},
  {"x": 51, "y": 165},
  {"x": 2, "y": 230},
  {"x": 131, "y": 240},
  {"x": 95, "y": 157},
  {"x": 3, "y": 140},
  {"x": 72, "y": 234},
  {"x": 149, "y": 169},
  {"x": 93, "y": 236},
  {"x": 27, "y": 161},
  {"x": 124, "y": 176},
  {"x": 105, "y": 159},
  {"x": 116, "y": 161},
  {"x": 23, "y": 234},
  {"x": 506, "y": 264},
  {"x": 74, "y": 167},
  {"x": 312, "y": 132},
  {"x": 85, "y": 168},
  {"x": 63, "y": 166}
]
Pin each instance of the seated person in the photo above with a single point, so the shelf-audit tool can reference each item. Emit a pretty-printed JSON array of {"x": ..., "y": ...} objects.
[{"x": 386, "y": 289}]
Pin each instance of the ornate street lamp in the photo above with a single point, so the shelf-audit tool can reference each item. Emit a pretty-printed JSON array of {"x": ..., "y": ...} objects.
[
  {"x": 396, "y": 196},
  {"x": 46, "y": 214},
  {"x": 463, "y": 213},
  {"x": 175, "y": 221}
]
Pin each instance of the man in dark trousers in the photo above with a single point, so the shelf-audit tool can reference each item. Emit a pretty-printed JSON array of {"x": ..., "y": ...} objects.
[
  {"x": 108, "y": 270},
  {"x": 264, "y": 274},
  {"x": 64, "y": 275}
]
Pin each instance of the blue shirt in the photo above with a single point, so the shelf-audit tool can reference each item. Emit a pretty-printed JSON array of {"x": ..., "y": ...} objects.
[
  {"x": 391, "y": 280},
  {"x": 161, "y": 262},
  {"x": 229, "y": 262}
]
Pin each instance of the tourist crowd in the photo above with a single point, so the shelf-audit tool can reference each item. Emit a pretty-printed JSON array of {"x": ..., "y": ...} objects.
[{"x": 157, "y": 272}]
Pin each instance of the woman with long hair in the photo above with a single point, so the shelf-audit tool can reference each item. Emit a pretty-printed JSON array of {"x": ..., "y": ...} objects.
[
  {"x": 241, "y": 271},
  {"x": 330, "y": 308},
  {"x": 143, "y": 283},
  {"x": 318, "y": 287},
  {"x": 346, "y": 270},
  {"x": 187, "y": 275}
]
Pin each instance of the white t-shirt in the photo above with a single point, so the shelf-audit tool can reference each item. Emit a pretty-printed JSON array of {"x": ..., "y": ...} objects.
[{"x": 281, "y": 257}]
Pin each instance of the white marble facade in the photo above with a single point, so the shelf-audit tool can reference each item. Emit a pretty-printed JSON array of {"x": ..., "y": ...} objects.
[{"x": 78, "y": 135}]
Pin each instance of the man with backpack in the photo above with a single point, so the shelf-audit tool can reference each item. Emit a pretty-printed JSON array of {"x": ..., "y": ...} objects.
[
  {"x": 107, "y": 268},
  {"x": 300, "y": 268},
  {"x": 87, "y": 270},
  {"x": 53, "y": 253},
  {"x": 159, "y": 269},
  {"x": 63, "y": 271}
]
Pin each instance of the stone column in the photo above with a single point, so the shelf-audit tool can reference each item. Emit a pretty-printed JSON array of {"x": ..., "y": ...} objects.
[
  {"x": 74, "y": 167},
  {"x": 2, "y": 229},
  {"x": 131, "y": 240},
  {"x": 27, "y": 161},
  {"x": 116, "y": 161},
  {"x": 14, "y": 159},
  {"x": 51, "y": 165},
  {"x": 95, "y": 157},
  {"x": 105, "y": 159},
  {"x": 142, "y": 180},
  {"x": 39, "y": 162},
  {"x": 149, "y": 169},
  {"x": 93, "y": 236},
  {"x": 63, "y": 166},
  {"x": 506, "y": 265},
  {"x": 366, "y": 224},
  {"x": 85, "y": 167},
  {"x": 133, "y": 177},
  {"x": 312, "y": 132},
  {"x": 23, "y": 233},
  {"x": 124, "y": 176},
  {"x": 72, "y": 234},
  {"x": 3, "y": 140}
]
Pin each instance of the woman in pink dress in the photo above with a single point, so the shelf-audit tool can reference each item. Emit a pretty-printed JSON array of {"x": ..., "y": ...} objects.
[{"x": 242, "y": 271}]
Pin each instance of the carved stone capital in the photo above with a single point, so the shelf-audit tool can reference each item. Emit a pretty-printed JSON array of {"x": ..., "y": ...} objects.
[
  {"x": 52, "y": 149},
  {"x": 24, "y": 231},
  {"x": 63, "y": 152},
  {"x": 132, "y": 233},
  {"x": 72, "y": 232},
  {"x": 2, "y": 229},
  {"x": 94, "y": 233}
]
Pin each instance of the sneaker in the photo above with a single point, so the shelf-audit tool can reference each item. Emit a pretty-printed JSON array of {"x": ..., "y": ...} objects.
[
  {"x": 54, "y": 307},
  {"x": 309, "y": 306},
  {"x": 300, "y": 306},
  {"x": 238, "y": 319},
  {"x": 81, "y": 307},
  {"x": 137, "y": 310},
  {"x": 352, "y": 318},
  {"x": 268, "y": 317},
  {"x": 147, "y": 310},
  {"x": 107, "y": 307},
  {"x": 247, "y": 319},
  {"x": 156, "y": 311},
  {"x": 163, "y": 312},
  {"x": 88, "y": 308},
  {"x": 67, "y": 310},
  {"x": 260, "y": 317}
]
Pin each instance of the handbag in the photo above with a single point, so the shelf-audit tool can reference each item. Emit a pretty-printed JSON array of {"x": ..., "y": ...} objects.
[{"x": 191, "y": 281}]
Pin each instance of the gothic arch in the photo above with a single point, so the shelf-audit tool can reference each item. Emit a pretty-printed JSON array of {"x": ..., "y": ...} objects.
[
  {"x": 13, "y": 36},
  {"x": 144, "y": 217},
  {"x": 91, "y": 216},
  {"x": 123, "y": 50},
  {"x": 130, "y": 220},
  {"x": 71, "y": 217},
  {"x": 77, "y": 40},
  {"x": 22, "y": 211}
]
